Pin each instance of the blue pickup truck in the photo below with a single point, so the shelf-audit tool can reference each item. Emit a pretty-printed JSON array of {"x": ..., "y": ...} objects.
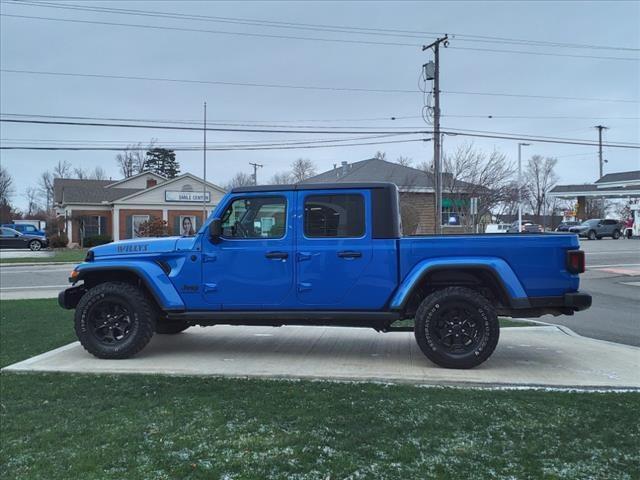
[{"x": 322, "y": 254}]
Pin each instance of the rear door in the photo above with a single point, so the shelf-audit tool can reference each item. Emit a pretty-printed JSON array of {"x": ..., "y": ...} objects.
[{"x": 333, "y": 246}]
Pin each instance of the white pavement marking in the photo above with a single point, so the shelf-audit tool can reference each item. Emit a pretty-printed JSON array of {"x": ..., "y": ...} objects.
[
  {"x": 551, "y": 358},
  {"x": 615, "y": 265},
  {"x": 633, "y": 284}
]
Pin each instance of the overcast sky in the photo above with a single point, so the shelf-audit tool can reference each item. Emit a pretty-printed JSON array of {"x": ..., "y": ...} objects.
[{"x": 53, "y": 46}]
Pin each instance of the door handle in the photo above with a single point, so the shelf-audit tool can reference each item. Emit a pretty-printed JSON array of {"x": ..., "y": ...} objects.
[
  {"x": 277, "y": 255},
  {"x": 349, "y": 254}
]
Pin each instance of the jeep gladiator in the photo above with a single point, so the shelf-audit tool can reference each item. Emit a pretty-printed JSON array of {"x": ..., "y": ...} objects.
[{"x": 323, "y": 254}]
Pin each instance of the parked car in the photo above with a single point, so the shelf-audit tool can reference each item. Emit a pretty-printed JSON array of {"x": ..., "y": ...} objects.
[
  {"x": 497, "y": 228},
  {"x": 599, "y": 228},
  {"x": 25, "y": 228},
  {"x": 526, "y": 227},
  {"x": 10, "y": 238},
  {"x": 322, "y": 254},
  {"x": 565, "y": 226}
]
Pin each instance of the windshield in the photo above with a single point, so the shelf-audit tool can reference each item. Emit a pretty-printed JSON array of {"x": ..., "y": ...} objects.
[{"x": 590, "y": 222}]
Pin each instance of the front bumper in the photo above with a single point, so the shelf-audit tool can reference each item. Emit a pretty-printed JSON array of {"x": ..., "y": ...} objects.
[{"x": 69, "y": 297}]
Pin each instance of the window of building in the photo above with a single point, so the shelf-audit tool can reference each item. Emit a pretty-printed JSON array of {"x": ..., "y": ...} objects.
[
  {"x": 454, "y": 211},
  {"x": 92, "y": 225},
  {"x": 335, "y": 216},
  {"x": 136, "y": 221},
  {"x": 255, "y": 217}
]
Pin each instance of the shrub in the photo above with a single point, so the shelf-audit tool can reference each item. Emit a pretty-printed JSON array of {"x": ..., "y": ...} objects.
[
  {"x": 59, "y": 240},
  {"x": 156, "y": 227},
  {"x": 96, "y": 240}
]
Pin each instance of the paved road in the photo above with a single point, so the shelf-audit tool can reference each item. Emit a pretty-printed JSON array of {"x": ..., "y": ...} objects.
[{"x": 613, "y": 278}]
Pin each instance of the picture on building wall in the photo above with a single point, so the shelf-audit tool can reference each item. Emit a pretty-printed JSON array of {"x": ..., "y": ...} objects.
[
  {"x": 187, "y": 225},
  {"x": 136, "y": 222}
]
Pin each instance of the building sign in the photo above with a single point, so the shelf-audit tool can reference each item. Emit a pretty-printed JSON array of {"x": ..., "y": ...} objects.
[{"x": 180, "y": 196}]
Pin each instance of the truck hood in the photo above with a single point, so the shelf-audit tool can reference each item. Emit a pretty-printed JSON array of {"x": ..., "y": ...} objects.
[{"x": 138, "y": 246}]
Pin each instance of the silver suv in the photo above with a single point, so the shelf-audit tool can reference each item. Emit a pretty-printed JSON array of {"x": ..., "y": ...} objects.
[{"x": 598, "y": 228}]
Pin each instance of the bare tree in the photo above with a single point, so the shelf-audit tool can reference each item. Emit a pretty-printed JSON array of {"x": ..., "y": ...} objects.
[
  {"x": 80, "y": 173},
  {"x": 240, "y": 179},
  {"x": 281, "y": 178},
  {"x": 31, "y": 194},
  {"x": 302, "y": 169},
  {"x": 6, "y": 186},
  {"x": 540, "y": 179},
  {"x": 98, "y": 173},
  {"x": 131, "y": 161},
  {"x": 380, "y": 155},
  {"x": 45, "y": 183},
  {"x": 469, "y": 173},
  {"x": 404, "y": 161}
]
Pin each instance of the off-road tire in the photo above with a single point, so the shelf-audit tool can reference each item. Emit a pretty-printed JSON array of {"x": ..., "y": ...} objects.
[
  {"x": 35, "y": 245},
  {"x": 483, "y": 316},
  {"x": 141, "y": 316},
  {"x": 616, "y": 234},
  {"x": 171, "y": 327},
  {"x": 591, "y": 235}
]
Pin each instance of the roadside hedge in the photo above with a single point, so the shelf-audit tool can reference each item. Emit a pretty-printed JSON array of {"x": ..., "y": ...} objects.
[{"x": 96, "y": 240}]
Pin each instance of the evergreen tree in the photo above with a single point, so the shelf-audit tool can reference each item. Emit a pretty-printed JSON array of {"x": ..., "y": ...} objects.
[{"x": 162, "y": 161}]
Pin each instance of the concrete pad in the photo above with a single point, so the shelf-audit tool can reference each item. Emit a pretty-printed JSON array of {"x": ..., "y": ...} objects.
[
  {"x": 22, "y": 293},
  {"x": 526, "y": 356}
]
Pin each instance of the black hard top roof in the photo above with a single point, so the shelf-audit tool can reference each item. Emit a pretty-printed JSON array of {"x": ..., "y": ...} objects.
[{"x": 312, "y": 186}]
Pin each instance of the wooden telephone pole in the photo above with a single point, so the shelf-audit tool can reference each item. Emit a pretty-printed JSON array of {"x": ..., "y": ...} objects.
[{"x": 437, "y": 160}]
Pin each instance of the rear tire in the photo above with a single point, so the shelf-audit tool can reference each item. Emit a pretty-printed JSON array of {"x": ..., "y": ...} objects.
[
  {"x": 114, "y": 320},
  {"x": 35, "y": 246},
  {"x": 616, "y": 235},
  {"x": 591, "y": 235},
  {"x": 456, "y": 328},
  {"x": 168, "y": 327}
]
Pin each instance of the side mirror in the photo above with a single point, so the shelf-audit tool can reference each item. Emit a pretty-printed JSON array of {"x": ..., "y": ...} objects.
[
  {"x": 16, "y": 234},
  {"x": 215, "y": 229}
]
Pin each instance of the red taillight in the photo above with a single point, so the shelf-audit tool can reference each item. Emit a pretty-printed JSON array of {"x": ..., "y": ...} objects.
[{"x": 575, "y": 261}]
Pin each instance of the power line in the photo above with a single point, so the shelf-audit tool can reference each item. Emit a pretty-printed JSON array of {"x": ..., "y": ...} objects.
[
  {"x": 304, "y": 87},
  {"x": 292, "y": 37},
  {"x": 503, "y": 136},
  {"x": 321, "y": 27}
]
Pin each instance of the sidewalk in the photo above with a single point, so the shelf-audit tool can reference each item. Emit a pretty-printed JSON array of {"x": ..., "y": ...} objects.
[{"x": 526, "y": 357}]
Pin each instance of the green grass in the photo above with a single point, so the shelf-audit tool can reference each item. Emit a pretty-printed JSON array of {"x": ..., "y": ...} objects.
[
  {"x": 59, "y": 255},
  {"x": 139, "y": 427}
]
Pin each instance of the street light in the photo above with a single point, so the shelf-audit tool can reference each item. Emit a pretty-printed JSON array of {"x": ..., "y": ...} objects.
[{"x": 520, "y": 145}]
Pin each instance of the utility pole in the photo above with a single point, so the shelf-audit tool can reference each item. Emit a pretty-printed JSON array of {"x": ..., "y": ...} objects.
[
  {"x": 520, "y": 145},
  {"x": 437, "y": 164},
  {"x": 255, "y": 171},
  {"x": 600, "y": 129},
  {"x": 204, "y": 166}
]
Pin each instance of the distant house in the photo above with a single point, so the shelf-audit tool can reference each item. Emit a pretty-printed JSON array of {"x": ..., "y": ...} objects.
[
  {"x": 116, "y": 209},
  {"x": 417, "y": 193}
]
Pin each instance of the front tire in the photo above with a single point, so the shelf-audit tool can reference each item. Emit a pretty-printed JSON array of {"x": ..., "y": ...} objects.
[
  {"x": 456, "y": 328},
  {"x": 35, "y": 246},
  {"x": 591, "y": 235},
  {"x": 114, "y": 320}
]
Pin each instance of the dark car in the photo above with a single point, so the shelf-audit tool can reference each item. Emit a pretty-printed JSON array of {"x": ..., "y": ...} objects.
[
  {"x": 10, "y": 238},
  {"x": 598, "y": 228},
  {"x": 526, "y": 227},
  {"x": 565, "y": 226}
]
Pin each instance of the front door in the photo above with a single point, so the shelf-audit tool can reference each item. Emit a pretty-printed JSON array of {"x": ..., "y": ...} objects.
[
  {"x": 333, "y": 246},
  {"x": 251, "y": 266}
]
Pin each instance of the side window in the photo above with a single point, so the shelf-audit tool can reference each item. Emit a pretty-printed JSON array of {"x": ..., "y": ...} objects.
[
  {"x": 334, "y": 216},
  {"x": 4, "y": 232},
  {"x": 255, "y": 217}
]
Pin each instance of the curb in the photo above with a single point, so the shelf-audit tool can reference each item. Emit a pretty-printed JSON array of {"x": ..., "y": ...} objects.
[{"x": 37, "y": 264}]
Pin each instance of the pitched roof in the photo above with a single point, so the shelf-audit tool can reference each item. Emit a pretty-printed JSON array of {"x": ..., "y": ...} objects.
[
  {"x": 73, "y": 190},
  {"x": 375, "y": 170},
  {"x": 631, "y": 176}
]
